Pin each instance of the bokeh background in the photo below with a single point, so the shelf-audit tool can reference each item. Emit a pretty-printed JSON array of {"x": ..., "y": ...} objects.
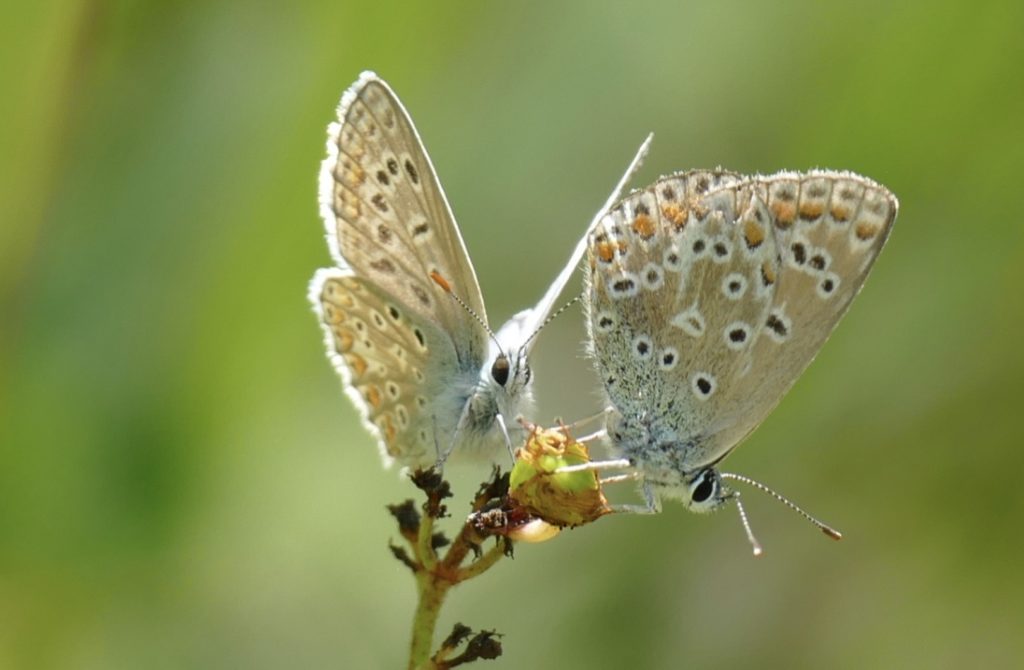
[{"x": 183, "y": 483}]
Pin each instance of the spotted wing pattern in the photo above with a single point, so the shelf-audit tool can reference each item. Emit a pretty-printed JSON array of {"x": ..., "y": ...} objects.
[
  {"x": 706, "y": 304},
  {"x": 410, "y": 356},
  {"x": 829, "y": 229}
]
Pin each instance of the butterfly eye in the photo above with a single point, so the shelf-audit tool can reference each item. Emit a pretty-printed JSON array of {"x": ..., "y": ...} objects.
[
  {"x": 705, "y": 491},
  {"x": 500, "y": 369}
]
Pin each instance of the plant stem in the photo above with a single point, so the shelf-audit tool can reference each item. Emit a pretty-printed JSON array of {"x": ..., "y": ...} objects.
[
  {"x": 433, "y": 581},
  {"x": 431, "y": 591}
]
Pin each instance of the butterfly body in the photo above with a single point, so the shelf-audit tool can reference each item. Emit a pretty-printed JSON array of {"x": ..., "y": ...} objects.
[{"x": 708, "y": 294}]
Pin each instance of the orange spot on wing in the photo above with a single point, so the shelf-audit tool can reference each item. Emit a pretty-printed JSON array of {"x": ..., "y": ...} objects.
[
  {"x": 784, "y": 213},
  {"x": 332, "y": 315},
  {"x": 840, "y": 213},
  {"x": 811, "y": 210},
  {"x": 344, "y": 340},
  {"x": 675, "y": 214},
  {"x": 389, "y": 429},
  {"x": 373, "y": 397},
  {"x": 643, "y": 226},
  {"x": 752, "y": 233},
  {"x": 352, "y": 174},
  {"x": 357, "y": 363},
  {"x": 605, "y": 251},
  {"x": 440, "y": 281},
  {"x": 865, "y": 230}
]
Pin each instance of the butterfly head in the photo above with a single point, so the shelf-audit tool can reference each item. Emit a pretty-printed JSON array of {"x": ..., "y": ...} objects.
[
  {"x": 705, "y": 492},
  {"x": 511, "y": 373}
]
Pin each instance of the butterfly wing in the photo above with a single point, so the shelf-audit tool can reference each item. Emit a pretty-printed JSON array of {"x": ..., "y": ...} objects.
[
  {"x": 387, "y": 217},
  {"x": 828, "y": 228},
  {"x": 381, "y": 352},
  {"x": 709, "y": 295},
  {"x": 389, "y": 227},
  {"x": 675, "y": 290}
]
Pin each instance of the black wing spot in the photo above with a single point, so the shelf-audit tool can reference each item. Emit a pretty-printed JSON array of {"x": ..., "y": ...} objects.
[
  {"x": 623, "y": 285},
  {"x": 383, "y": 265},
  {"x": 776, "y": 325},
  {"x": 411, "y": 171}
]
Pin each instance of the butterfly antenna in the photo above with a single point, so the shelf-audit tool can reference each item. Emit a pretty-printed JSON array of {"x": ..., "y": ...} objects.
[
  {"x": 823, "y": 527},
  {"x": 746, "y": 526},
  {"x": 447, "y": 288},
  {"x": 587, "y": 419},
  {"x": 551, "y": 317}
]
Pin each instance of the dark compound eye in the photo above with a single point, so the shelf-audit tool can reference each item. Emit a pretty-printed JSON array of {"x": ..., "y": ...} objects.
[
  {"x": 500, "y": 370},
  {"x": 705, "y": 489}
]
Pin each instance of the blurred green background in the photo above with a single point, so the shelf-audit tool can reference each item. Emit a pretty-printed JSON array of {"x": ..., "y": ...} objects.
[{"x": 183, "y": 483}]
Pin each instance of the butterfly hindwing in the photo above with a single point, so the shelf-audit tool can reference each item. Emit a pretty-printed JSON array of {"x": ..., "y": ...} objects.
[
  {"x": 677, "y": 293},
  {"x": 381, "y": 352}
]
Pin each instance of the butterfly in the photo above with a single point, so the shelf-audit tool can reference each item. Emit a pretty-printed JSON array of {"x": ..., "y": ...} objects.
[
  {"x": 707, "y": 295},
  {"x": 402, "y": 312}
]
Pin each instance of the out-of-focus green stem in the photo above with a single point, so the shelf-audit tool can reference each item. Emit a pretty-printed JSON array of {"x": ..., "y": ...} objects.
[
  {"x": 434, "y": 579},
  {"x": 431, "y": 592}
]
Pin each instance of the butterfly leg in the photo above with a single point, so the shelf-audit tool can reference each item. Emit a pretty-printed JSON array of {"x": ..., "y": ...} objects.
[
  {"x": 508, "y": 440},
  {"x": 597, "y": 435},
  {"x": 442, "y": 455},
  {"x": 589, "y": 419},
  {"x": 651, "y": 503},
  {"x": 616, "y": 479},
  {"x": 613, "y": 464}
]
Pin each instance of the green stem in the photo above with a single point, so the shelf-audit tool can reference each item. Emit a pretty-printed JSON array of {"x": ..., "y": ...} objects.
[
  {"x": 424, "y": 544},
  {"x": 481, "y": 565},
  {"x": 431, "y": 591},
  {"x": 433, "y": 584}
]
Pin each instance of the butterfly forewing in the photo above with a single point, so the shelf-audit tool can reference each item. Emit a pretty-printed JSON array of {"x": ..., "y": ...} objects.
[
  {"x": 829, "y": 228},
  {"x": 388, "y": 218}
]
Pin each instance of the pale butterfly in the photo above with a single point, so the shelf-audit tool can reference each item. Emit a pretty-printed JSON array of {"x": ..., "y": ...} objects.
[
  {"x": 707, "y": 295},
  {"x": 424, "y": 370}
]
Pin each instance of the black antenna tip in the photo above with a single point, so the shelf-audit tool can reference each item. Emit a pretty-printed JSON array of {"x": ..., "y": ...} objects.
[{"x": 832, "y": 532}]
